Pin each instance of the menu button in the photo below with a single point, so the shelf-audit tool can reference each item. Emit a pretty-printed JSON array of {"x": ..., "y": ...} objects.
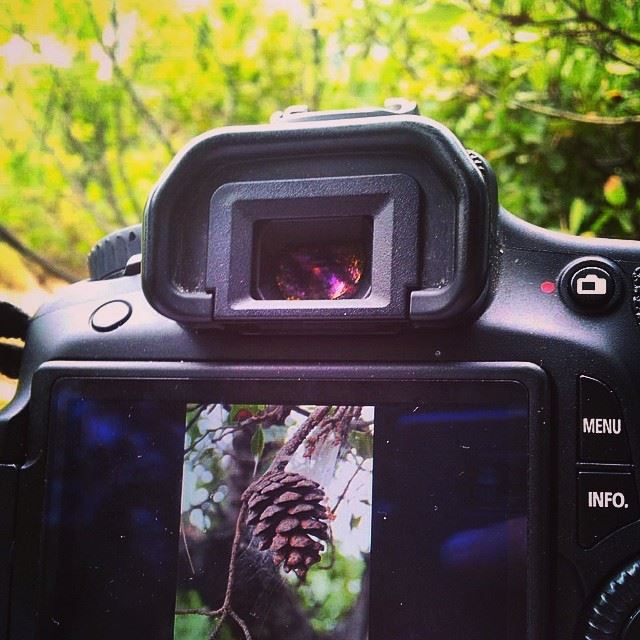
[{"x": 602, "y": 428}]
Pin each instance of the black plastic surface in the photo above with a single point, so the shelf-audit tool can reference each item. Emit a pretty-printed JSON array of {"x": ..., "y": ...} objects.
[{"x": 8, "y": 496}]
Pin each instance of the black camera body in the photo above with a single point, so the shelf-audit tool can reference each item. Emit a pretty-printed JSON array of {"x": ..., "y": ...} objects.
[{"x": 336, "y": 259}]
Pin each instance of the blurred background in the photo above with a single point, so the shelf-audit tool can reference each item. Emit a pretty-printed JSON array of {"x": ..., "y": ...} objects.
[{"x": 96, "y": 96}]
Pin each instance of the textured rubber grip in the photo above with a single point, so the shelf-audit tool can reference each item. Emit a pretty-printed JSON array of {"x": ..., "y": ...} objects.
[
  {"x": 614, "y": 607},
  {"x": 109, "y": 257}
]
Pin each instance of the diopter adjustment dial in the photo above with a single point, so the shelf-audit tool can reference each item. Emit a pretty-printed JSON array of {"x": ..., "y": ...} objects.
[{"x": 615, "y": 614}]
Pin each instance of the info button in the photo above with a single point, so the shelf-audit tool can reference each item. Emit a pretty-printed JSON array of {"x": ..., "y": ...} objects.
[
  {"x": 602, "y": 428},
  {"x": 606, "y": 503}
]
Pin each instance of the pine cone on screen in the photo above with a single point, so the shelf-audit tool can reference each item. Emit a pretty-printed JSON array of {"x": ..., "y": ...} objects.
[{"x": 289, "y": 519}]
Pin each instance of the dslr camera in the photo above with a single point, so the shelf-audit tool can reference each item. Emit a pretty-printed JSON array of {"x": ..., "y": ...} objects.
[{"x": 330, "y": 390}]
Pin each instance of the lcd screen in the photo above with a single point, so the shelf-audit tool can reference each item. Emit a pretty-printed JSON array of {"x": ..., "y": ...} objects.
[{"x": 168, "y": 517}]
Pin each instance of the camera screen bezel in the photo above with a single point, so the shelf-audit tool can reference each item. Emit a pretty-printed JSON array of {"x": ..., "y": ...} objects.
[{"x": 192, "y": 381}]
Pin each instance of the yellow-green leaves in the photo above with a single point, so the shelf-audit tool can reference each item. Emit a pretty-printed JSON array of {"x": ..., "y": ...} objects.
[{"x": 95, "y": 95}]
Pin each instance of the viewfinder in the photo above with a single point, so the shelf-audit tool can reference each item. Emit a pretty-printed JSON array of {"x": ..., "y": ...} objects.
[{"x": 313, "y": 258}]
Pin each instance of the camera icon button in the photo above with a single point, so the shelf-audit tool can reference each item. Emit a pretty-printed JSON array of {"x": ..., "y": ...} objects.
[{"x": 591, "y": 285}]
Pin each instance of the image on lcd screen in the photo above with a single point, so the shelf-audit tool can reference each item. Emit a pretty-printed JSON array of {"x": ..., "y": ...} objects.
[
  {"x": 286, "y": 491},
  {"x": 292, "y": 521}
]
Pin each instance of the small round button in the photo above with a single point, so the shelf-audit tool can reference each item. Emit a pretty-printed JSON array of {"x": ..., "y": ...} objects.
[
  {"x": 591, "y": 285},
  {"x": 110, "y": 315}
]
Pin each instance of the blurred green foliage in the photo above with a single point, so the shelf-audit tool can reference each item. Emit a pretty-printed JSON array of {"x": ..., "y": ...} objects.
[
  {"x": 96, "y": 96},
  {"x": 331, "y": 591},
  {"x": 191, "y": 627}
]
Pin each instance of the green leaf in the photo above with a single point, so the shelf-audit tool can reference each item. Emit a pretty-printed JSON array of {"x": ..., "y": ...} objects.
[
  {"x": 615, "y": 192},
  {"x": 577, "y": 215},
  {"x": 240, "y": 412},
  {"x": 257, "y": 444},
  {"x": 362, "y": 443},
  {"x": 355, "y": 521},
  {"x": 441, "y": 16},
  {"x": 619, "y": 68}
]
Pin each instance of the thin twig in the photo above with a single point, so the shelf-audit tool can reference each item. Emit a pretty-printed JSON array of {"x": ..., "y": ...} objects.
[
  {"x": 198, "y": 611},
  {"x": 553, "y": 112},
  {"x": 183, "y": 533},
  {"x": 101, "y": 171},
  {"x": 341, "y": 497}
]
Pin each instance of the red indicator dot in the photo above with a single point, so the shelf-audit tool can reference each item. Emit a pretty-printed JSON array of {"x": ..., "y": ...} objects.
[{"x": 548, "y": 287}]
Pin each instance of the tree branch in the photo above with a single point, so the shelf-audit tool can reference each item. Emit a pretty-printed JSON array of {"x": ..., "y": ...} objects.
[
  {"x": 584, "y": 16},
  {"x": 30, "y": 255},
  {"x": 226, "y": 610},
  {"x": 126, "y": 82},
  {"x": 563, "y": 114},
  {"x": 122, "y": 172},
  {"x": 581, "y": 16},
  {"x": 284, "y": 455},
  {"x": 71, "y": 179}
]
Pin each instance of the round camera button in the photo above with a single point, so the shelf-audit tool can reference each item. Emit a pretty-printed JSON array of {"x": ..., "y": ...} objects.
[
  {"x": 592, "y": 287},
  {"x": 110, "y": 315}
]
